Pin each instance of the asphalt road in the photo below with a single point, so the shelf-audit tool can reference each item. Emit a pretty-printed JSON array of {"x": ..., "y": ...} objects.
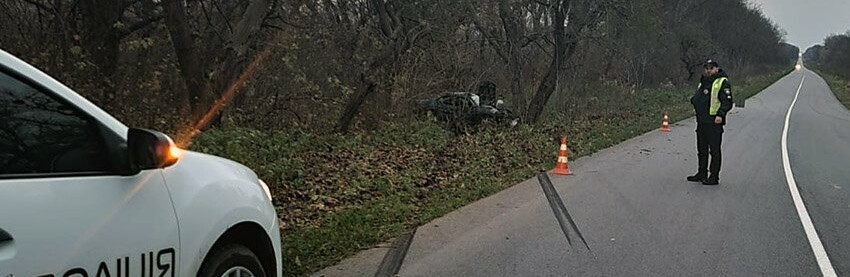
[{"x": 640, "y": 217}]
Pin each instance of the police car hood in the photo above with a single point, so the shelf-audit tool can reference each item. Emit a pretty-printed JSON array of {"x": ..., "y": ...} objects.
[
  {"x": 210, "y": 195},
  {"x": 216, "y": 167}
]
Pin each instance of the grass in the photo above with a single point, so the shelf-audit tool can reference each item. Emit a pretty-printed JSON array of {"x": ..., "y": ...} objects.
[
  {"x": 839, "y": 86},
  {"x": 339, "y": 194}
]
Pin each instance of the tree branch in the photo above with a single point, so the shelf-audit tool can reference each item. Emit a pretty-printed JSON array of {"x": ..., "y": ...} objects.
[
  {"x": 488, "y": 35},
  {"x": 532, "y": 38},
  {"x": 384, "y": 20},
  {"x": 141, "y": 24},
  {"x": 542, "y": 3},
  {"x": 264, "y": 25},
  {"x": 226, "y": 19},
  {"x": 292, "y": 24},
  {"x": 39, "y": 5}
]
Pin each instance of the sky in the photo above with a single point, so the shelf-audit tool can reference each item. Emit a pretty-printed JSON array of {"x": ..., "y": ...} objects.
[{"x": 808, "y": 22}]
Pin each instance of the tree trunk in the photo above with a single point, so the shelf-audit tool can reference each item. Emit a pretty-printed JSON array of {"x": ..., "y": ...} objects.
[
  {"x": 390, "y": 25},
  {"x": 100, "y": 37},
  {"x": 354, "y": 103},
  {"x": 101, "y": 40},
  {"x": 516, "y": 85},
  {"x": 514, "y": 35},
  {"x": 188, "y": 59},
  {"x": 236, "y": 57},
  {"x": 367, "y": 87},
  {"x": 564, "y": 48},
  {"x": 544, "y": 91},
  {"x": 689, "y": 69},
  {"x": 548, "y": 85}
]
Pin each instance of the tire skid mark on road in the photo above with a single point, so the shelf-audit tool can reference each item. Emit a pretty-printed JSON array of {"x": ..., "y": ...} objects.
[
  {"x": 391, "y": 264},
  {"x": 559, "y": 209}
]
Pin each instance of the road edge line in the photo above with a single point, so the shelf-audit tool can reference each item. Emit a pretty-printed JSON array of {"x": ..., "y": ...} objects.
[{"x": 809, "y": 227}]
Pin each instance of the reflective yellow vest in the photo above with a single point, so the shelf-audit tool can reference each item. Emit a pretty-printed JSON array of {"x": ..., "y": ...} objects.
[{"x": 715, "y": 91}]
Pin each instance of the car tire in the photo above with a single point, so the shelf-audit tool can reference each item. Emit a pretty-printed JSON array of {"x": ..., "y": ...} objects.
[{"x": 231, "y": 258}]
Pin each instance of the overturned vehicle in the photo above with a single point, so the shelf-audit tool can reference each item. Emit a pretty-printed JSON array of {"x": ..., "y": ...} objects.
[{"x": 462, "y": 112}]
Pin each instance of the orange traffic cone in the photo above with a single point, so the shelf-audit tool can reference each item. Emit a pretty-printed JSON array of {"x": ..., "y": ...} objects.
[
  {"x": 665, "y": 125},
  {"x": 561, "y": 167}
]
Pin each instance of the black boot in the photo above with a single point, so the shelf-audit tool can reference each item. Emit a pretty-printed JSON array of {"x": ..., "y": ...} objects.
[
  {"x": 713, "y": 180},
  {"x": 699, "y": 177}
]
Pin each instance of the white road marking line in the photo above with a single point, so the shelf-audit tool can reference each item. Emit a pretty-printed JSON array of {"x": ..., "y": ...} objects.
[{"x": 817, "y": 247}]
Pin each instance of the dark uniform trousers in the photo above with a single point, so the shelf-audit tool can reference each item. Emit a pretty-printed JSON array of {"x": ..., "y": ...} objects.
[{"x": 709, "y": 136}]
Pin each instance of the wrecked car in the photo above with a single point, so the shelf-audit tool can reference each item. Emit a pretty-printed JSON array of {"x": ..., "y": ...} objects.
[{"x": 463, "y": 111}]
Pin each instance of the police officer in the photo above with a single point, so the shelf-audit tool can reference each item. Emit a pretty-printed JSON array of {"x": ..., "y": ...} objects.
[{"x": 711, "y": 103}]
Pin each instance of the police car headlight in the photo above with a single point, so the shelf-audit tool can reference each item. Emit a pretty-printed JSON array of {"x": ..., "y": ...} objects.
[{"x": 266, "y": 189}]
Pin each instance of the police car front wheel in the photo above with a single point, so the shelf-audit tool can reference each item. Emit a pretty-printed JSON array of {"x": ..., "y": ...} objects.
[{"x": 231, "y": 260}]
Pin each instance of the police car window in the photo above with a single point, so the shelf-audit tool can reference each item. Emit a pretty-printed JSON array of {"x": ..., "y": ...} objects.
[{"x": 39, "y": 134}]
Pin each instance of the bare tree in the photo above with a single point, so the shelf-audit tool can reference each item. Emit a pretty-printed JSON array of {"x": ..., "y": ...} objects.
[
  {"x": 207, "y": 77},
  {"x": 188, "y": 58},
  {"x": 96, "y": 27},
  {"x": 571, "y": 19},
  {"x": 398, "y": 35},
  {"x": 510, "y": 39}
]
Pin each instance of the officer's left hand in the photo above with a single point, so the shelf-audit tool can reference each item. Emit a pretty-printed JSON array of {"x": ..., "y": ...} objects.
[{"x": 718, "y": 120}]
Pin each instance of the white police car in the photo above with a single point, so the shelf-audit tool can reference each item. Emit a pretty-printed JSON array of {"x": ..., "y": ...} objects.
[{"x": 82, "y": 195}]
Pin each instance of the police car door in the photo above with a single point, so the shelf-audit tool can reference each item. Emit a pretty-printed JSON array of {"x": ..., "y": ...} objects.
[{"x": 64, "y": 211}]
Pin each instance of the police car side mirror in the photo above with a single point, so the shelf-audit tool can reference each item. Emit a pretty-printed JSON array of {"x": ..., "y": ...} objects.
[{"x": 150, "y": 150}]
